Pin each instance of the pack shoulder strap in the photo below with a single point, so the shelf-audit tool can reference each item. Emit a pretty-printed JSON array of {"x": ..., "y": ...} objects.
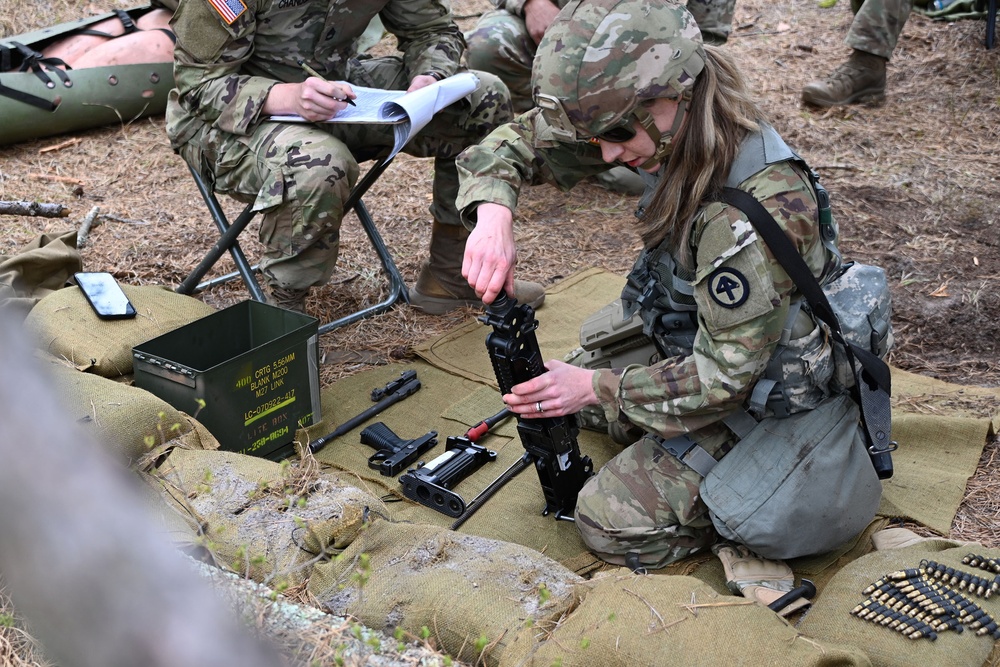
[{"x": 873, "y": 381}]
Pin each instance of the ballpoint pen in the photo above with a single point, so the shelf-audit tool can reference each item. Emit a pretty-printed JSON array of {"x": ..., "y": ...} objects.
[{"x": 311, "y": 72}]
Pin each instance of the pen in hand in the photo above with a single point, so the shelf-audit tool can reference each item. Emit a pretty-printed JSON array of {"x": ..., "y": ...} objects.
[{"x": 311, "y": 72}]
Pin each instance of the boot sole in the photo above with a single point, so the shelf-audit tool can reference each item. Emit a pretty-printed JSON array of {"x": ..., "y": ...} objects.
[
  {"x": 873, "y": 95},
  {"x": 434, "y": 305}
]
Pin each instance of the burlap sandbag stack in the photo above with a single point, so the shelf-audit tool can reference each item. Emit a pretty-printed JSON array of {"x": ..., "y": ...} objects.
[
  {"x": 91, "y": 364},
  {"x": 271, "y": 522},
  {"x": 480, "y": 600}
]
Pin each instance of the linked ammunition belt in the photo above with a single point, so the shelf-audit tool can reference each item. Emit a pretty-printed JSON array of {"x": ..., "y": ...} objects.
[{"x": 920, "y": 602}]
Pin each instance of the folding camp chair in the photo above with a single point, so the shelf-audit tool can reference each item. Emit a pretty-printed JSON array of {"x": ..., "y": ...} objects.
[{"x": 229, "y": 241}]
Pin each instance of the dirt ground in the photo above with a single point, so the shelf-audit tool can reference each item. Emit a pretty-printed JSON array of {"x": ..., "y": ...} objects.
[{"x": 913, "y": 183}]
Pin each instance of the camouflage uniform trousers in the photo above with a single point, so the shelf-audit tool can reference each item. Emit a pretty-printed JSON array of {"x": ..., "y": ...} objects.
[
  {"x": 500, "y": 44},
  {"x": 300, "y": 174},
  {"x": 877, "y": 26},
  {"x": 646, "y": 501}
]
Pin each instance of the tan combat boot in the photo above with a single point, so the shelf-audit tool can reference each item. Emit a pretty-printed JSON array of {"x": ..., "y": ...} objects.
[
  {"x": 289, "y": 298},
  {"x": 440, "y": 286},
  {"x": 860, "y": 79}
]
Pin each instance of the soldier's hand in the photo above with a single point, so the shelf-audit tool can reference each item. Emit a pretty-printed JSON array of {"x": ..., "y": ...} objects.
[
  {"x": 420, "y": 81},
  {"x": 563, "y": 390},
  {"x": 490, "y": 253},
  {"x": 757, "y": 578},
  {"x": 320, "y": 100},
  {"x": 314, "y": 99},
  {"x": 538, "y": 16}
]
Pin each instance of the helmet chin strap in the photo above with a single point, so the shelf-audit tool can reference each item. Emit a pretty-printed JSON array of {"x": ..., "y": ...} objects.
[{"x": 664, "y": 141}]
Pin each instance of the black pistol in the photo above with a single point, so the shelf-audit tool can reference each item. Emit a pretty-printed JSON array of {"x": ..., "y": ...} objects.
[{"x": 394, "y": 453}]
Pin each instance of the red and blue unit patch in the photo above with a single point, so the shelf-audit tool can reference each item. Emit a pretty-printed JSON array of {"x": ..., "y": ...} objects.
[{"x": 229, "y": 10}]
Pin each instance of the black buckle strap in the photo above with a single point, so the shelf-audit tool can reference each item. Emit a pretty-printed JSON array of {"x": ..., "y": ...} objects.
[{"x": 27, "y": 98}]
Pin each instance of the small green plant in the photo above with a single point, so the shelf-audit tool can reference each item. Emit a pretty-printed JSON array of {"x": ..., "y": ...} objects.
[
  {"x": 425, "y": 632},
  {"x": 363, "y": 570},
  {"x": 585, "y": 643},
  {"x": 543, "y": 594},
  {"x": 6, "y": 621},
  {"x": 446, "y": 661},
  {"x": 481, "y": 644}
]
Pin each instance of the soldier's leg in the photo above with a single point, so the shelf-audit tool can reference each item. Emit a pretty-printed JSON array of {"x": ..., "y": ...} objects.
[
  {"x": 644, "y": 501},
  {"x": 873, "y": 35},
  {"x": 500, "y": 44},
  {"x": 299, "y": 177},
  {"x": 877, "y": 26},
  {"x": 714, "y": 18},
  {"x": 440, "y": 286}
]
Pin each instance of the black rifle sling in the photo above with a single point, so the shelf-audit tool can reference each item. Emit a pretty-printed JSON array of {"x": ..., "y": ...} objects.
[{"x": 873, "y": 382}]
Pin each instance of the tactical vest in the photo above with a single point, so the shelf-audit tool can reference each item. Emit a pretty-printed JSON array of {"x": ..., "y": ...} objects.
[{"x": 661, "y": 293}]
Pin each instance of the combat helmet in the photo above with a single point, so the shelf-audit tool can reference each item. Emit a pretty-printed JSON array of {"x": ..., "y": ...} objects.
[{"x": 600, "y": 59}]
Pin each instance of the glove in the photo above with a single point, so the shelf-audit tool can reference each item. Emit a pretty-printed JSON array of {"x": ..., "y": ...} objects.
[{"x": 757, "y": 578}]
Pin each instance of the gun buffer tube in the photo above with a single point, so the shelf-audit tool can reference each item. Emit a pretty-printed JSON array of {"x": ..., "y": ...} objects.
[
  {"x": 431, "y": 483},
  {"x": 549, "y": 441},
  {"x": 405, "y": 385},
  {"x": 394, "y": 453}
]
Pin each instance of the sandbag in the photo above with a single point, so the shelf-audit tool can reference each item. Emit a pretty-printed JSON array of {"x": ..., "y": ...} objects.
[
  {"x": 482, "y": 601},
  {"x": 64, "y": 325},
  {"x": 133, "y": 423},
  {"x": 830, "y": 618},
  {"x": 630, "y": 620},
  {"x": 36, "y": 270},
  {"x": 267, "y": 521}
]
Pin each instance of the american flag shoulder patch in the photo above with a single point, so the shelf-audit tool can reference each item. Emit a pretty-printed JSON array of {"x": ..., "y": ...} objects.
[{"x": 229, "y": 10}]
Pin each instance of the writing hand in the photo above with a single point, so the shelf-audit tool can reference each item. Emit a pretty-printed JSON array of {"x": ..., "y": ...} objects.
[{"x": 314, "y": 99}]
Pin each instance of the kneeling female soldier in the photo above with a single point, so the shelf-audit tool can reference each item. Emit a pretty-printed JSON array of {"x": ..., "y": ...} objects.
[{"x": 630, "y": 82}]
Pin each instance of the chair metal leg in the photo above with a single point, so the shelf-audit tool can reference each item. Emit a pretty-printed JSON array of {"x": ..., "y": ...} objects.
[
  {"x": 397, "y": 287},
  {"x": 991, "y": 24},
  {"x": 228, "y": 241}
]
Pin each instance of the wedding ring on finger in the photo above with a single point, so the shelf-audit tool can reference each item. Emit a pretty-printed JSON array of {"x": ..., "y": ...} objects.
[{"x": 538, "y": 406}]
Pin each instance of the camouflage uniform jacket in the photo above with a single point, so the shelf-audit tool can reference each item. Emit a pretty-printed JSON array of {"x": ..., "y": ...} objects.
[
  {"x": 736, "y": 336},
  {"x": 224, "y": 67},
  {"x": 516, "y": 7}
]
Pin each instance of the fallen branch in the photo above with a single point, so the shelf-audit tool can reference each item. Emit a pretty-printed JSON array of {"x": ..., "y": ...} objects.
[
  {"x": 33, "y": 208},
  {"x": 58, "y": 147},
  {"x": 57, "y": 179},
  {"x": 128, "y": 221},
  {"x": 85, "y": 226}
]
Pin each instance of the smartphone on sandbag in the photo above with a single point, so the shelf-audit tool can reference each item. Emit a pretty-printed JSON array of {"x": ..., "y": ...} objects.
[{"x": 105, "y": 295}]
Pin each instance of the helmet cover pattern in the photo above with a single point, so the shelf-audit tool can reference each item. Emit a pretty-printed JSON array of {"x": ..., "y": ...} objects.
[{"x": 601, "y": 58}]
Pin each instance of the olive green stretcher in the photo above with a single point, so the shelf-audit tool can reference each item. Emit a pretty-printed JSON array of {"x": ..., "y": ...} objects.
[{"x": 40, "y": 99}]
